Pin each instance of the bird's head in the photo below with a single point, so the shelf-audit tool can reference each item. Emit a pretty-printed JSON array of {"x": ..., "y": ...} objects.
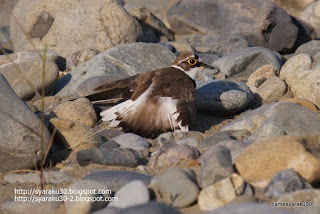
[{"x": 189, "y": 63}]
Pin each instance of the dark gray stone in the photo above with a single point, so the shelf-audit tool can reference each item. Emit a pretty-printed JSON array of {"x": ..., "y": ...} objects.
[
  {"x": 190, "y": 142},
  {"x": 221, "y": 97},
  {"x": 151, "y": 207},
  {"x": 108, "y": 134},
  {"x": 209, "y": 58},
  {"x": 276, "y": 119},
  {"x": 168, "y": 46},
  {"x": 5, "y": 42},
  {"x": 235, "y": 147},
  {"x": 117, "y": 179},
  {"x": 271, "y": 26},
  {"x": 113, "y": 64},
  {"x": 108, "y": 210},
  {"x": 216, "y": 167},
  {"x": 178, "y": 194},
  {"x": 214, "y": 139},
  {"x": 285, "y": 182},
  {"x": 246, "y": 61},
  {"x": 306, "y": 33},
  {"x": 131, "y": 141},
  {"x": 111, "y": 144},
  {"x": 221, "y": 44},
  {"x": 42, "y": 25},
  {"x": 107, "y": 156},
  {"x": 125, "y": 199},
  {"x": 169, "y": 139},
  {"x": 20, "y": 131},
  {"x": 248, "y": 208}
]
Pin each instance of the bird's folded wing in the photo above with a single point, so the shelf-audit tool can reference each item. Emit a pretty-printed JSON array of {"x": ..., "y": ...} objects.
[
  {"x": 178, "y": 85},
  {"x": 124, "y": 88}
]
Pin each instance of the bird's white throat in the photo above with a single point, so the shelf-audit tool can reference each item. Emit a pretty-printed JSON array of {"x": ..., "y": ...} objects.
[{"x": 192, "y": 73}]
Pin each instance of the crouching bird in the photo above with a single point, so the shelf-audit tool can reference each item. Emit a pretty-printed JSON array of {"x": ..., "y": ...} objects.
[{"x": 159, "y": 101}]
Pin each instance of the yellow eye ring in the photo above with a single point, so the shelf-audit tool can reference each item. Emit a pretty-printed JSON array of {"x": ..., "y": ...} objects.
[{"x": 192, "y": 61}]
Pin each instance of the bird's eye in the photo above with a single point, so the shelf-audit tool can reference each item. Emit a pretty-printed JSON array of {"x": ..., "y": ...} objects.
[{"x": 192, "y": 61}]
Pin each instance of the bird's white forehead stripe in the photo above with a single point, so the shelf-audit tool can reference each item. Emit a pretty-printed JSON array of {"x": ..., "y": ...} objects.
[
  {"x": 186, "y": 58},
  {"x": 175, "y": 66}
]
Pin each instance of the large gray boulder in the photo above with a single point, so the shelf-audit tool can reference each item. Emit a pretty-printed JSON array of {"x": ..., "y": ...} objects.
[
  {"x": 276, "y": 119},
  {"x": 262, "y": 23},
  {"x": 24, "y": 72},
  {"x": 67, "y": 26},
  {"x": 20, "y": 132},
  {"x": 113, "y": 64}
]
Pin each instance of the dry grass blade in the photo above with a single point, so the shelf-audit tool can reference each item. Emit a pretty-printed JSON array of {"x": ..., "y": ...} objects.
[
  {"x": 32, "y": 44},
  {"x": 49, "y": 146},
  {"x": 107, "y": 101},
  {"x": 43, "y": 58},
  {"x": 42, "y": 99},
  {"x": 42, "y": 156},
  {"x": 25, "y": 33},
  {"x": 84, "y": 138},
  {"x": 21, "y": 171}
]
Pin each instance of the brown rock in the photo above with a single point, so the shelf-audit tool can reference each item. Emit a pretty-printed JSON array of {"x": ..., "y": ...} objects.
[
  {"x": 258, "y": 163},
  {"x": 301, "y": 73},
  {"x": 303, "y": 102},
  {"x": 272, "y": 89},
  {"x": 75, "y": 135},
  {"x": 49, "y": 103},
  {"x": 154, "y": 30},
  {"x": 80, "y": 57},
  {"x": 79, "y": 110},
  {"x": 260, "y": 75},
  {"x": 220, "y": 193},
  {"x": 159, "y": 8}
]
